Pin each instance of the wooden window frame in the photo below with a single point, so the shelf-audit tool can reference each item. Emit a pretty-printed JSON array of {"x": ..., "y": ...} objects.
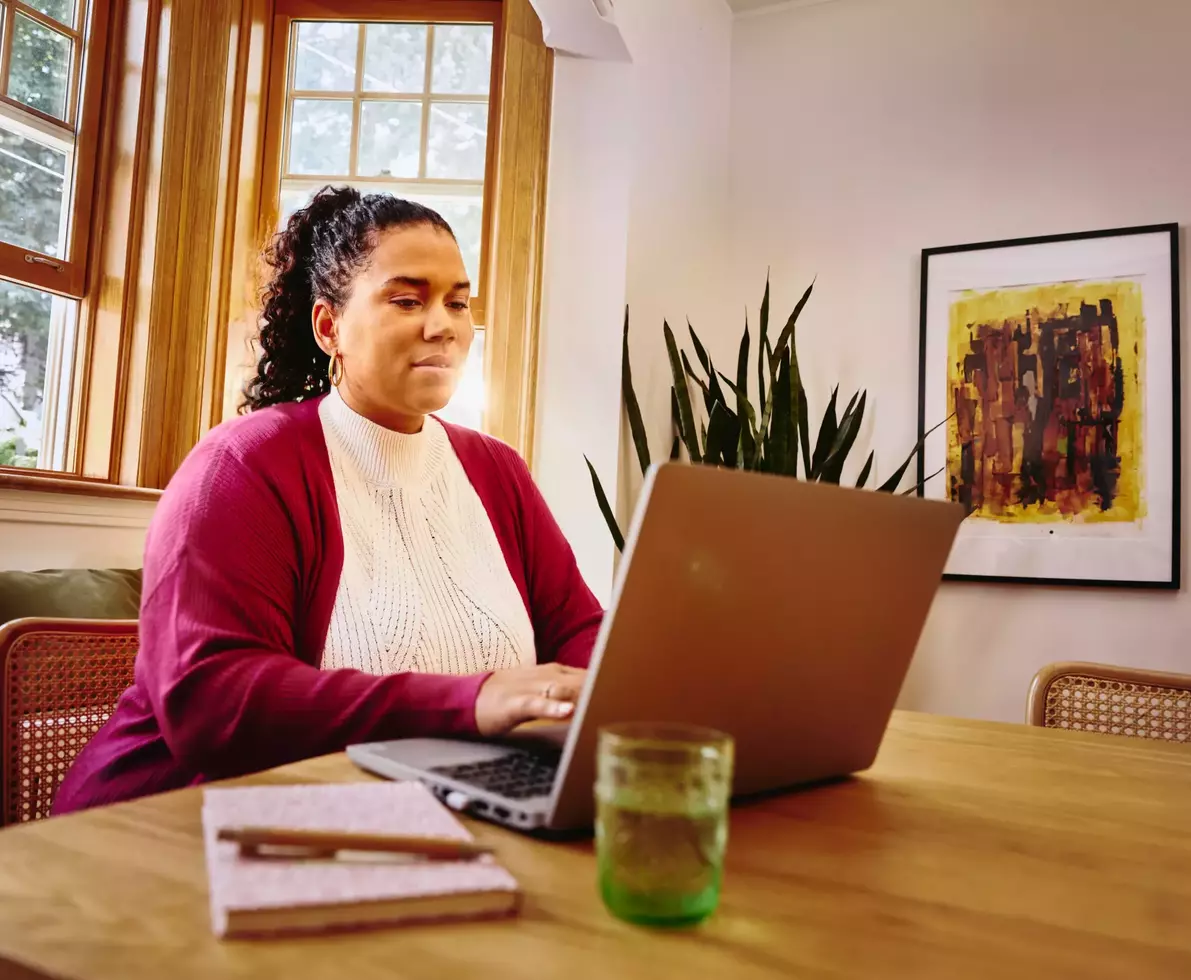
[
  {"x": 155, "y": 366},
  {"x": 64, "y": 275},
  {"x": 70, "y": 276},
  {"x": 280, "y": 96},
  {"x": 508, "y": 302}
]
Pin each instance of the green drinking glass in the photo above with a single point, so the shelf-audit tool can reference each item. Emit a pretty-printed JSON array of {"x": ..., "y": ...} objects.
[{"x": 662, "y": 820}]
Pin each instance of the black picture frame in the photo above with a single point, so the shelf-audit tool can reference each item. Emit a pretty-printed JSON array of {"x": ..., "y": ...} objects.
[{"x": 1173, "y": 581}]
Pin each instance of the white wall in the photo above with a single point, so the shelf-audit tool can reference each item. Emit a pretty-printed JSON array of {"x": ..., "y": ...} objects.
[
  {"x": 636, "y": 211},
  {"x": 870, "y": 129},
  {"x": 583, "y": 294},
  {"x": 54, "y": 530}
]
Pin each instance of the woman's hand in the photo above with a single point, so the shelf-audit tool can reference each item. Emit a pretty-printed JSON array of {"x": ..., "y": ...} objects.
[{"x": 520, "y": 694}]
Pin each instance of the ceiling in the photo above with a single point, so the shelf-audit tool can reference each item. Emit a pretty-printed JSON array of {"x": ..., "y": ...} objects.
[{"x": 740, "y": 6}]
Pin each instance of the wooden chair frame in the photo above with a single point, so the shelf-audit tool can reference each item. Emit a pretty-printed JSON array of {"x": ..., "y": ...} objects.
[{"x": 1046, "y": 677}]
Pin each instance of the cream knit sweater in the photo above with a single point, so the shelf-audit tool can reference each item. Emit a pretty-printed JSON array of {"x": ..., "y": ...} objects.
[{"x": 424, "y": 586}]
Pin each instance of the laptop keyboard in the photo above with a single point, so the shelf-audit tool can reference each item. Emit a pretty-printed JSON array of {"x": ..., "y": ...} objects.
[{"x": 518, "y": 775}]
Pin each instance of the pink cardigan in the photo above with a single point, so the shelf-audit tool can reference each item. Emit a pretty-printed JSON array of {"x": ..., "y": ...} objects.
[{"x": 242, "y": 564}]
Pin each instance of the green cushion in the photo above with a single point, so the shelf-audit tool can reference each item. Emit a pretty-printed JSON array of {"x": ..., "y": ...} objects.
[{"x": 73, "y": 593}]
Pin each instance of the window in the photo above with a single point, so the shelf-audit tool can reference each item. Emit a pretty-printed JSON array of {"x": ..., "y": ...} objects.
[
  {"x": 394, "y": 106},
  {"x": 51, "y": 71}
]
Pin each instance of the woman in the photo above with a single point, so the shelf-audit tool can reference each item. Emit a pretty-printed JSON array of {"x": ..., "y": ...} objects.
[{"x": 344, "y": 568}]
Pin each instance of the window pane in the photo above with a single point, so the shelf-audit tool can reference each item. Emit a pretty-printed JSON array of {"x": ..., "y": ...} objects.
[
  {"x": 39, "y": 73},
  {"x": 463, "y": 212},
  {"x": 61, "y": 10},
  {"x": 467, "y": 404},
  {"x": 390, "y": 134},
  {"x": 326, "y": 57},
  {"x": 462, "y": 59},
  {"x": 33, "y": 327},
  {"x": 457, "y": 137},
  {"x": 321, "y": 137},
  {"x": 292, "y": 198},
  {"x": 395, "y": 58},
  {"x": 465, "y": 216},
  {"x": 32, "y": 191}
]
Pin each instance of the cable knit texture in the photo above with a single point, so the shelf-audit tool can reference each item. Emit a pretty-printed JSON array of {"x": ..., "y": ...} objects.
[
  {"x": 424, "y": 586},
  {"x": 243, "y": 562}
]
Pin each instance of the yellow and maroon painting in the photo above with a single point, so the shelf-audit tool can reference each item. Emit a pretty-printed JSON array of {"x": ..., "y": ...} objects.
[{"x": 1045, "y": 384}]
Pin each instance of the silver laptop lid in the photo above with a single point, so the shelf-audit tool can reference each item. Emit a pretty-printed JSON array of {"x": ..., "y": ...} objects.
[{"x": 781, "y": 611}]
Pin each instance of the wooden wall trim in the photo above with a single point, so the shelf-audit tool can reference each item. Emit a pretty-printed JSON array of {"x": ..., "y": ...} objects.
[
  {"x": 188, "y": 242},
  {"x": 73, "y": 485},
  {"x": 459, "y": 11},
  {"x": 523, "y": 72},
  {"x": 235, "y": 318},
  {"x": 514, "y": 285},
  {"x": 112, "y": 276}
]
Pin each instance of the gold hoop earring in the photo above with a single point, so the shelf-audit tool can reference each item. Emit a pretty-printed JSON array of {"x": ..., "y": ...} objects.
[{"x": 335, "y": 369}]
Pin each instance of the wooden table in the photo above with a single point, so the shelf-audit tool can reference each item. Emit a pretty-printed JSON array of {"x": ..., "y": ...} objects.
[{"x": 970, "y": 850}]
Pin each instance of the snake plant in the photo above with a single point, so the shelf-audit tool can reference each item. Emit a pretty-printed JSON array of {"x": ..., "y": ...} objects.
[{"x": 731, "y": 432}]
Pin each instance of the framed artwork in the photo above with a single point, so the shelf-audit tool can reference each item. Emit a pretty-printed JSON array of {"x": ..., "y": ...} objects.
[{"x": 1051, "y": 367}]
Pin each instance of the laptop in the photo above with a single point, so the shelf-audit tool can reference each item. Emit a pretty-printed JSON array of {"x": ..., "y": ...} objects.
[{"x": 783, "y": 612}]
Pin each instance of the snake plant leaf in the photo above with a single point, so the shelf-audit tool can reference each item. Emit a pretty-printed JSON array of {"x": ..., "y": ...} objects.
[
  {"x": 717, "y": 430},
  {"x": 890, "y": 485},
  {"x": 787, "y": 334},
  {"x": 765, "y": 454},
  {"x": 762, "y": 340},
  {"x": 688, "y": 430},
  {"x": 730, "y": 443},
  {"x": 686, "y": 365},
  {"x": 804, "y": 430},
  {"x": 845, "y": 438},
  {"x": 713, "y": 382},
  {"x": 731, "y": 424},
  {"x": 700, "y": 350},
  {"x": 925, "y": 480},
  {"x": 785, "y": 419},
  {"x": 826, "y": 436},
  {"x": 764, "y": 433},
  {"x": 864, "y": 472},
  {"x": 795, "y": 408},
  {"x": 742, "y": 358},
  {"x": 713, "y": 394},
  {"x": 742, "y": 400},
  {"x": 770, "y": 362},
  {"x": 675, "y": 423},
  {"x": 632, "y": 409},
  {"x": 845, "y": 420},
  {"x": 605, "y": 507},
  {"x": 851, "y": 406},
  {"x": 745, "y": 445}
]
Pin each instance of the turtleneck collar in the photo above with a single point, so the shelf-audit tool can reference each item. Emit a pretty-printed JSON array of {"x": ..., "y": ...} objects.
[{"x": 383, "y": 456}]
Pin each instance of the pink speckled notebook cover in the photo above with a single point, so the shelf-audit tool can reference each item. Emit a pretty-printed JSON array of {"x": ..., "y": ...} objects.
[{"x": 243, "y": 884}]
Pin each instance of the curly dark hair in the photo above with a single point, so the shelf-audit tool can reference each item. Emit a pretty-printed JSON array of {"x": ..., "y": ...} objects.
[{"x": 317, "y": 255}]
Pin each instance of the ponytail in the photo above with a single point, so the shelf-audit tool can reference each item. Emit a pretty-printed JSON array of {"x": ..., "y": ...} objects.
[{"x": 317, "y": 256}]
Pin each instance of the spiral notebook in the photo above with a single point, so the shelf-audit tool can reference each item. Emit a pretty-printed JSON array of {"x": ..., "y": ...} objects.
[{"x": 270, "y": 895}]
